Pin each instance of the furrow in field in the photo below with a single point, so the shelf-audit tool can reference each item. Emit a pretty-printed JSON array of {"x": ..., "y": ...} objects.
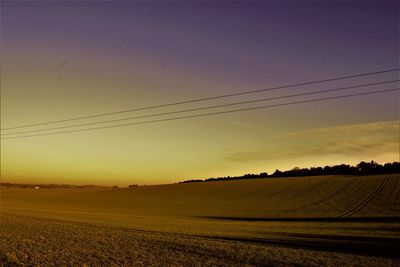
[
  {"x": 366, "y": 200},
  {"x": 303, "y": 190},
  {"x": 328, "y": 197},
  {"x": 382, "y": 203},
  {"x": 284, "y": 202}
]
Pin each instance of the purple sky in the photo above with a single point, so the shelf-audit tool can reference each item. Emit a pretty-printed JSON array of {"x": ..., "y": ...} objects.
[{"x": 250, "y": 43}]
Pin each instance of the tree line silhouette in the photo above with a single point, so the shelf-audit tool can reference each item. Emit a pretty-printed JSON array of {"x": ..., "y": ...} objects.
[{"x": 362, "y": 168}]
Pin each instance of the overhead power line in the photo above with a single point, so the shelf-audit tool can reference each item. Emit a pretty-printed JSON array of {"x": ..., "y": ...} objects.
[
  {"x": 202, "y": 108},
  {"x": 207, "y": 114},
  {"x": 202, "y": 99}
]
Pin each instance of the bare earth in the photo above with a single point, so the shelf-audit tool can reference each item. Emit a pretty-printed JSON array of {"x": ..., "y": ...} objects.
[{"x": 313, "y": 221}]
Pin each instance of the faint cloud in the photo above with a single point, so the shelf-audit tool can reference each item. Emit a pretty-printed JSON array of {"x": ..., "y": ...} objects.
[
  {"x": 241, "y": 124},
  {"x": 249, "y": 156},
  {"x": 356, "y": 140},
  {"x": 349, "y": 129}
]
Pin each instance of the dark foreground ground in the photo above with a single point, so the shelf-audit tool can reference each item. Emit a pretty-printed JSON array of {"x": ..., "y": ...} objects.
[
  {"x": 342, "y": 221},
  {"x": 52, "y": 242}
]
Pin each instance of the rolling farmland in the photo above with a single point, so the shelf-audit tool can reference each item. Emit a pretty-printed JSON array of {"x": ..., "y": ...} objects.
[
  {"x": 199, "y": 133},
  {"x": 324, "y": 220}
]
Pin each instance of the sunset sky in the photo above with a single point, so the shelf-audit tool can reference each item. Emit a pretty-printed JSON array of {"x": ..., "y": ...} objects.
[{"x": 62, "y": 60}]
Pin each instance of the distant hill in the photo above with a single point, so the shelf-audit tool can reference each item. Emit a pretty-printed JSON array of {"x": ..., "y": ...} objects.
[{"x": 51, "y": 186}]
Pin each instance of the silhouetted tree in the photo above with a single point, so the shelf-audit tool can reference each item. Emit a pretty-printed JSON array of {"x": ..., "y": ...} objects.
[
  {"x": 363, "y": 168},
  {"x": 277, "y": 173}
]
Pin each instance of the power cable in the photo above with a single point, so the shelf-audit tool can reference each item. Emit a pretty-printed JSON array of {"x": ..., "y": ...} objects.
[
  {"x": 201, "y": 108},
  {"x": 205, "y": 114},
  {"x": 204, "y": 99}
]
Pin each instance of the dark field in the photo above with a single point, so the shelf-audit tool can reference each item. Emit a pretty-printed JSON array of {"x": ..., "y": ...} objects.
[{"x": 317, "y": 221}]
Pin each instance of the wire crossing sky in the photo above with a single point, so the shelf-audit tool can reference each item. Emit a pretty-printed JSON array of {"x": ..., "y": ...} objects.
[
  {"x": 199, "y": 115},
  {"x": 66, "y": 65},
  {"x": 204, "y": 108},
  {"x": 209, "y": 98}
]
